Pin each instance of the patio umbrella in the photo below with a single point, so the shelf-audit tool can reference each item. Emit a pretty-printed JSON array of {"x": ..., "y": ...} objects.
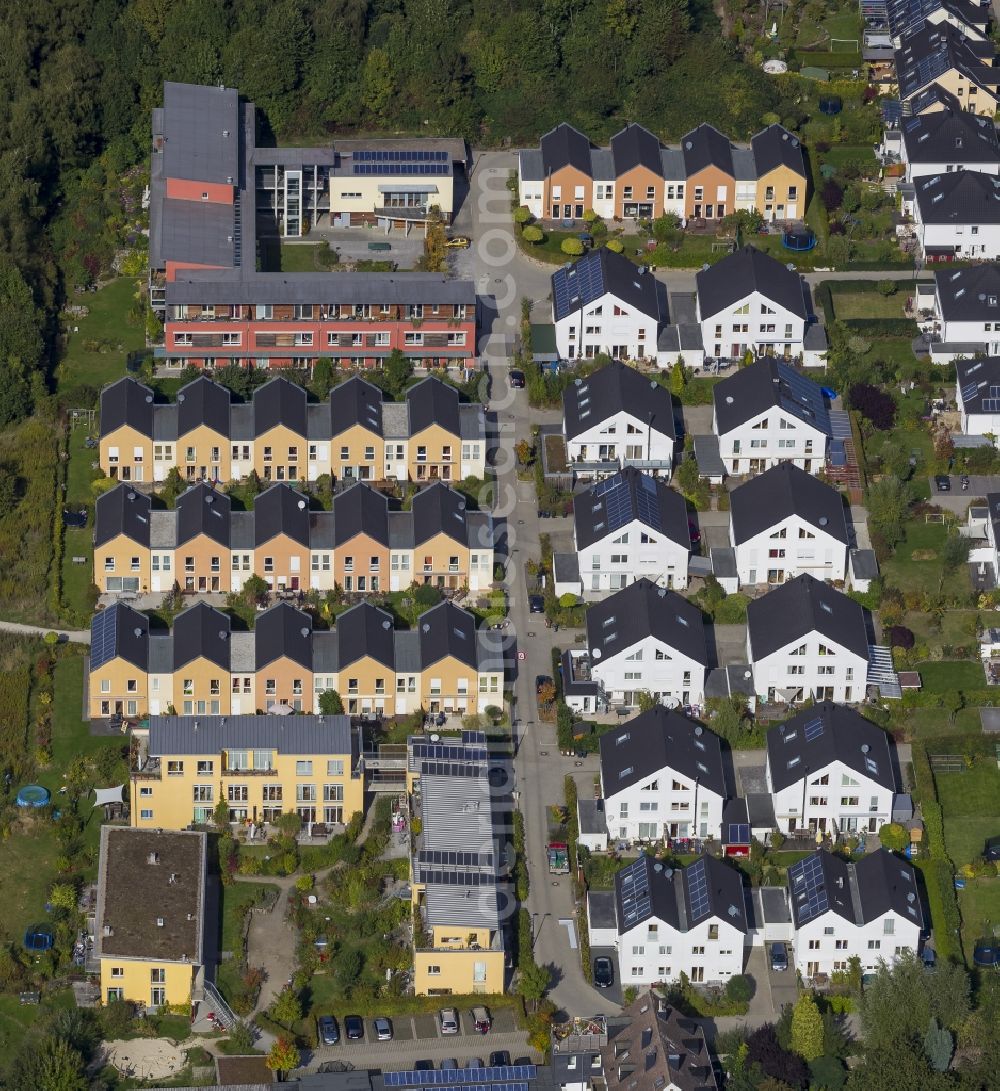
[{"x": 280, "y": 708}]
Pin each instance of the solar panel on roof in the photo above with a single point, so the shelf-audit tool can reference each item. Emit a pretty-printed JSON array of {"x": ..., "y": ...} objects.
[
  {"x": 450, "y": 769},
  {"x": 808, "y": 888},
  {"x": 474, "y": 737},
  {"x": 496, "y": 1078},
  {"x": 697, "y": 880},
  {"x": 813, "y": 730},
  {"x": 103, "y": 639},
  {"x": 636, "y": 902},
  {"x": 438, "y": 877},
  {"x": 739, "y": 833},
  {"x": 439, "y": 751}
]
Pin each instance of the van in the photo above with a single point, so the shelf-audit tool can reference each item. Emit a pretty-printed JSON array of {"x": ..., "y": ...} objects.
[
  {"x": 481, "y": 1019},
  {"x": 779, "y": 957}
]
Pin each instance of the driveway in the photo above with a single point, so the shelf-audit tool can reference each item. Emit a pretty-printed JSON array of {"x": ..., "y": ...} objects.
[
  {"x": 957, "y": 499},
  {"x": 730, "y": 644}
]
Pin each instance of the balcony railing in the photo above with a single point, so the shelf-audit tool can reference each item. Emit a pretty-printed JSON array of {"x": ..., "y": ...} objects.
[{"x": 249, "y": 772}]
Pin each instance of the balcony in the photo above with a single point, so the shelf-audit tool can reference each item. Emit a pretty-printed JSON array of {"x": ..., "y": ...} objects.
[
  {"x": 249, "y": 772},
  {"x": 147, "y": 769},
  {"x": 580, "y": 1035}
]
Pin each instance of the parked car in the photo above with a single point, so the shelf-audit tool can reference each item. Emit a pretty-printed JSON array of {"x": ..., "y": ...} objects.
[
  {"x": 354, "y": 1027},
  {"x": 943, "y": 483},
  {"x": 383, "y": 1029},
  {"x": 449, "y": 1064},
  {"x": 473, "y": 1062},
  {"x": 928, "y": 957},
  {"x": 458, "y": 242},
  {"x": 779, "y": 957},
  {"x": 423, "y": 1066},
  {"x": 481, "y": 1020},
  {"x": 329, "y": 1032},
  {"x": 499, "y": 1058},
  {"x": 695, "y": 533},
  {"x": 604, "y": 972},
  {"x": 992, "y": 850},
  {"x": 516, "y": 379},
  {"x": 449, "y": 1021},
  {"x": 536, "y": 604}
]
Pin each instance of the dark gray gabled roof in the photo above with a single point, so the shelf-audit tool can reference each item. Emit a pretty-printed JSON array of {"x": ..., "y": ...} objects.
[
  {"x": 740, "y": 274},
  {"x": 776, "y": 147},
  {"x": 127, "y": 402},
  {"x": 765, "y": 500},
  {"x": 906, "y": 17},
  {"x": 613, "y": 389},
  {"x": 365, "y": 630},
  {"x": 808, "y": 742},
  {"x": 360, "y": 510},
  {"x": 202, "y": 402},
  {"x": 355, "y": 402},
  {"x": 600, "y": 272},
  {"x": 122, "y": 510},
  {"x": 753, "y": 390},
  {"x": 978, "y": 382},
  {"x": 924, "y": 102},
  {"x": 204, "y": 510},
  {"x": 119, "y": 632},
  {"x": 565, "y": 146},
  {"x": 433, "y": 402},
  {"x": 215, "y": 734},
  {"x": 886, "y": 883},
  {"x": 439, "y": 510},
  {"x": 610, "y": 505},
  {"x": 279, "y": 402},
  {"x": 635, "y": 146},
  {"x": 704, "y": 147},
  {"x": 201, "y": 125},
  {"x": 447, "y": 630},
  {"x": 950, "y": 136},
  {"x": 805, "y": 605},
  {"x": 281, "y": 510},
  {"x": 283, "y": 632},
  {"x": 936, "y": 49},
  {"x": 969, "y": 295},
  {"x": 321, "y": 530},
  {"x": 962, "y": 197},
  {"x": 201, "y": 631},
  {"x": 680, "y": 897},
  {"x": 661, "y": 739},
  {"x": 640, "y": 610}
]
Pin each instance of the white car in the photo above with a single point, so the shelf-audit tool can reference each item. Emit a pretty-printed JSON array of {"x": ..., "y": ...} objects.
[
  {"x": 449, "y": 1021},
  {"x": 383, "y": 1028}
]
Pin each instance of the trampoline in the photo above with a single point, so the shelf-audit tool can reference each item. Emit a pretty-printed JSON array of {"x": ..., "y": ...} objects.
[
  {"x": 799, "y": 240},
  {"x": 38, "y": 938},
  {"x": 33, "y": 795},
  {"x": 831, "y": 105}
]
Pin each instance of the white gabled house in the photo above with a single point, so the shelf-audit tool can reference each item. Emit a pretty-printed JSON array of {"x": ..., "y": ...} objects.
[
  {"x": 666, "y": 922},
  {"x": 603, "y": 303},
  {"x": 751, "y": 302},
  {"x": 829, "y": 770},
  {"x": 977, "y": 392},
  {"x": 961, "y": 312},
  {"x": 625, "y": 527},
  {"x": 642, "y": 639},
  {"x": 943, "y": 142},
  {"x": 956, "y": 216},
  {"x": 768, "y": 413},
  {"x": 662, "y": 777},
  {"x": 869, "y": 910},
  {"x": 806, "y": 640},
  {"x": 615, "y": 418},
  {"x": 784, "y": 523}
]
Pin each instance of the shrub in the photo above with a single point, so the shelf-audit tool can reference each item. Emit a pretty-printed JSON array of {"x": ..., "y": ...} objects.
[
  {"x": 739, "y": 989},
  {"x": 901, "y": 637},
  {"x": 522, "y": 215},
  {"x": 533, "y": 234},
  {"x": 573, "y": 247},
  {"x": 893, "y": 837},
  {"x": 616, "y": 246},
  {"x": 887, "y": 287},
  {"x": 874, "y": 405}
]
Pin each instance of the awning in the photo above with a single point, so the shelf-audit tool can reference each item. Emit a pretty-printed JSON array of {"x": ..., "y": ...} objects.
[
  {"x": 396, "y": 188},
  {"x": 104, "y": 796}
]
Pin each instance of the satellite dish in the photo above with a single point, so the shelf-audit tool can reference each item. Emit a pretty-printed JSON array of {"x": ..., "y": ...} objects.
[
  {"x": 435, "y": 738},
  {"x": 302, "y": 505},
  {"x": 596, "y": 653},
  {"x": 865, "y": 748}
]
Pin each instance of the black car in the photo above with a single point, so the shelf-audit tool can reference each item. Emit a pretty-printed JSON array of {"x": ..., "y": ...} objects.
[
  {"x": 354, "y": 1027},
  {"x": 992, "y": 850},
  {"x": 943, "y": 483},
  {"x": 517, "y": 379},
  {"x": 536, "y": 604},
  {"x": 423, "y": 1066},
  {"x": 329, "y": 1034},
  {"x": 604, "y": 972},
  {"x": 779, "y": 958},
  {"x": 499, "y": 1058}
]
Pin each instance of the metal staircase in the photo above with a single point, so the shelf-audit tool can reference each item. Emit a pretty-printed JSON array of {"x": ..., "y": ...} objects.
[
  {"x": 223, "y": 1013},
  {"x": 237, "y": 232},
  {"x": 881, "y": 672}
]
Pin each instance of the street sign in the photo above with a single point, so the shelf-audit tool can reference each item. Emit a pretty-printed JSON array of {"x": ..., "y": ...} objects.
[{"x": 522, "y": 655}]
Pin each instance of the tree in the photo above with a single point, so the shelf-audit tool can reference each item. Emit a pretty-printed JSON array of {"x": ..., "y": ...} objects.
[
  {"x": 283, "y": 1056},
  {"x": 892, "y": 836},
  {"x": 938, "y": 1045},
  {"x": 875, "y": 405},
  {"x": 241, "y": 1037},
  {"x": 287, "y": 1007},
  {"x": 956, "y": 551},
  {"x": 546, "y": 694},
  {"x": 173, "y": 486},
  {"x": 220, "y": 814},
  {"x": 887, "y": 287},
  {"x": 678, "y": 378},
  {"x": 739, "y": 989},
  {"x": 764, "y": 1049},
  {"x": 63, "y": 896},
  {"x": 646, "y": 701},
  {"x": 901, "y": 637},
  {"x": 398, "y": 370},
  {"x": 572, "y": 246},
  {"x": 331, "y": 703},
  {"x": 533, "y": 234},
  {"x": 348, "y": 970},
  {"x": 807, "y": 1028},
  {"x": 378, "y": 84},
  {"x": 322, "y": 378},
  {"x": 827, "y": 1073},
  {"x": 534, "y": 982},
  {"x": 49, "y": 1064},
  {"x": 522, "y": 215},
  {"x": 888, "y": 505}
]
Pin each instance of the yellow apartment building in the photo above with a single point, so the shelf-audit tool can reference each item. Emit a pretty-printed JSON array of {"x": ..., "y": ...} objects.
[
  {"x": 151, "y": 916},
  {"x": 260, "y": 766}
]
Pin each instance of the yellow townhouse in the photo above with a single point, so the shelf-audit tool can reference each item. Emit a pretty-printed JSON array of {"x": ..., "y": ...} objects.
[
  {"x": 151, "y": 916},
  {"x": 260, "y": 767}
]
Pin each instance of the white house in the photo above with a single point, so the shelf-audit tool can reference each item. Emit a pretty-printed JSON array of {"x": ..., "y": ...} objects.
[
  {"x": 977, "y": 389},
  {"x": 603, "y": 303},
  {"x": 662, "y": 777},
  {"x": 769, "y": 413},
  {"x": 615, "y": 417},
  {"x": 868, "y": 910},
  {"x": 625, "y": 527},
  {"x": 956, "y": 215},
  {"x": 784, "y": 523},
  {"x": 642, "y": 639},
  {"x": 750, "y": 301},
  {"x": 986, "y": 522},
  {"x": 830, "y": 770},
  {"x": 667, "y": 922},
  {"x": 807, "y": 640},
  {"x": 944, "y": 142},
  {"x": 961, "y": 312}
]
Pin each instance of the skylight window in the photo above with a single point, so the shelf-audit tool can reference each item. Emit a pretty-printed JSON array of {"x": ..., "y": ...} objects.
[
  {"x": 623, "y": 738},
  {"x": 794, "y": 761},
  {"x": 608, "y": 621},
  {"x": 826, "y": 606},
  {"x": 791, "y": 735}
]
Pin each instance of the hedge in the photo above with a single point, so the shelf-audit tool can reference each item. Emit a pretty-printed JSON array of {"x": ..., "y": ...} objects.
[{"x": 881, "y": 327}]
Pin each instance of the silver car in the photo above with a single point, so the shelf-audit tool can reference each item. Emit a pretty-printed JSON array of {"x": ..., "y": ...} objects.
[
  {"x": 383, "y": 1029},
  {"x": 449, "y": 1021}
]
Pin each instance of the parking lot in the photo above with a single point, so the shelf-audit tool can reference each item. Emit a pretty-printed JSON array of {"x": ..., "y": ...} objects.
[
  {"x": 418, "y": 1038},
  {"x": 957, "y": 499}
]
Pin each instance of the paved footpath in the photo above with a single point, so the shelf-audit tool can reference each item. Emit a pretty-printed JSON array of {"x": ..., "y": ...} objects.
[{"x": 74, "y": 636}]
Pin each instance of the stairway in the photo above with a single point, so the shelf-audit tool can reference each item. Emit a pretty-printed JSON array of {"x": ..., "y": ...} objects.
[
  {"x": 882, "y": 673},
  {"x": 848, "y": 474},
  {"x": 223, "y": 1013},
  {"x": 237, "y": 233}
]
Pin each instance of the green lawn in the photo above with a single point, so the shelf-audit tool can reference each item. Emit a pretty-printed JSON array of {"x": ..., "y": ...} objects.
[
  {"x": 16, "y": 1018},
  {"x": 948, "y": 676},
  {"x": 917, "y": 563},
  {"x": 235, "y": 899},
  {"x": 979, "y": 904},
  {"x": 869, "y": 305},
  {"x": 843, "y": 153},
  {"x": 299, "y": 258},
  {"x": 970, "y": 802},
  {"x": 930, "y": 723},
  {"x": 70, "y": 732},
  {"x": 96, "y": 354}
]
